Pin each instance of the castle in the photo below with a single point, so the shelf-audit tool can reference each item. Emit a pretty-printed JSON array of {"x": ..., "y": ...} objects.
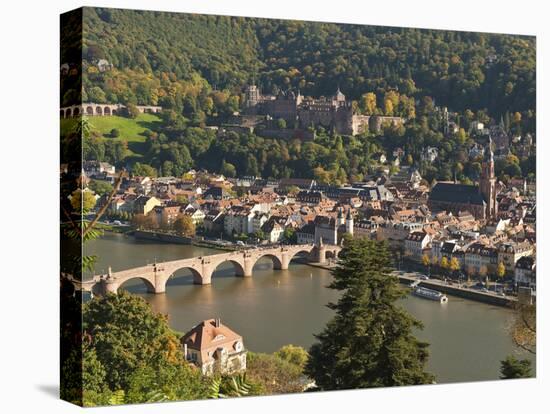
[{"x": 334, "y": 113}]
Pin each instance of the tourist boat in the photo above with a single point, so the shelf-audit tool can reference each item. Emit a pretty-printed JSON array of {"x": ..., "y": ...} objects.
[{"x": 429, "y": 294}]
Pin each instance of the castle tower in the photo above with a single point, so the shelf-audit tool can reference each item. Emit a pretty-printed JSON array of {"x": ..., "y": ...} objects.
[
  {"x": 340, "y": 219},
  {"x": 253, "y": 96},
  {"x": 349, "y": 223},
  {"x": 487, "y": 182},
  {"x": 339, "y": 96}
]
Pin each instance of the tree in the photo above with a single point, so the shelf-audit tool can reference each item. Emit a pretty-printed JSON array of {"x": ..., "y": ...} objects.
[
  {"x": 235, "y": 386},
  {"x": 454, "y": 264},
  {"x": 260, "y": 235},
  {"x": 482, "y": 271},
  {"x": 228, "y": 169},
  {"x": 273, "y": 374},
  {"x": 289, "y": 235},
  {"x": 294, "y": 354},
  {"x": 137, "y": 349},
  {"x": 293, "y": 190},
  {"x": 426, "y": 260},
  {"x": 281, "y": 123},
  {"x": 501, "y": 270},
  {"x": 132, "y": 110},
  {"x": 138, "y": 221},
  {"x": 184, "y": 226},
  {"x": 83, "y": 200},
  {"x": 100, "y": 187},
  {"x": 369, "y": 342},
  {"x": 512, "y": 368},
  {"x": 143, "y": 170},
  {"x": 115, "y": 133}
]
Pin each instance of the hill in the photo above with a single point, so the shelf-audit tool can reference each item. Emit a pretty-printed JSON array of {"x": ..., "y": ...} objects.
[{"x": 159, "y": 55}]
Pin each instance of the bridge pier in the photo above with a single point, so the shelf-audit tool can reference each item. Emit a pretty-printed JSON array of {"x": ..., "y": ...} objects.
[
  {"x": 110, "y": 286},
  {"x": 160, "y": 285},
  {"x": 248, "y": 265},
  {"x": 285, "y": 261}
]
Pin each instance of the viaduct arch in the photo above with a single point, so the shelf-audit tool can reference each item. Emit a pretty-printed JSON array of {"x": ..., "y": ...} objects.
[{"x": 96, "y": 109}]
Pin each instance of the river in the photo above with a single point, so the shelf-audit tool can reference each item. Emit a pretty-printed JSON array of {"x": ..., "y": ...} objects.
[{"x": 277, "y": 307}]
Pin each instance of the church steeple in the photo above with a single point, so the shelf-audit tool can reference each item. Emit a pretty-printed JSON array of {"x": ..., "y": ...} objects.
[{"x": 487, "y": 182}]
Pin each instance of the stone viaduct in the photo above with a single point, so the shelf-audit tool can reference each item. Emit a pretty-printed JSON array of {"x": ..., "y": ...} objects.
[
  {"x": 156, "y": 275},
  {"x": 95, "y": 109}
]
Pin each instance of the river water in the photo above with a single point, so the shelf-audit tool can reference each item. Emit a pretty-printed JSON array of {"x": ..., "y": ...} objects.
[{"x": 277, "y": 307}]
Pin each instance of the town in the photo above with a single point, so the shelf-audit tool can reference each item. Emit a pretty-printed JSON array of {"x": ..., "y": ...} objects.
[{"x": 479, "y": 232}]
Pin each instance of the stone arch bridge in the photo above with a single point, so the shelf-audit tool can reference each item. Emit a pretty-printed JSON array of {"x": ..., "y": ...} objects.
[{"x": 156, "y": 275}]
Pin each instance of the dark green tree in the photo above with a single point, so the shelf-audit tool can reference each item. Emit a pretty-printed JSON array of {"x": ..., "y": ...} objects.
[
  {"x": 369, "y": 342},
  {"x": 512, "y": 368}
]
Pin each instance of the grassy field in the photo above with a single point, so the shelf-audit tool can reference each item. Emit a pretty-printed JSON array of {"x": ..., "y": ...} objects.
[{"x": 131, "y": 130}]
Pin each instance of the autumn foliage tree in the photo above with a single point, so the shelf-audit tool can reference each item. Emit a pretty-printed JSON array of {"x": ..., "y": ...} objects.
[{"x": 184, "y": 226}]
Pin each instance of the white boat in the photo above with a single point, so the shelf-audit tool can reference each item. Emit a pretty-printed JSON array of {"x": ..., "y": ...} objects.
[{"x": 429, "y": 294}]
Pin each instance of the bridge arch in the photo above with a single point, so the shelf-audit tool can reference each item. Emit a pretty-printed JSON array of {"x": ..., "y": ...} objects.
[
  {"x": 148, "y": 284},
  {"x": 197, "y": 276},
  {"x": 76, "y": 112},
  {"x": 277, "y": 263},
  {"x": 68, "y": 113},
  {"x": 297, "y": 252},
  {"x": 89, "y": 110},
  {"x": 239, "y": 268},
  {"x": 98, "y": 110},
  {"x": 107, "y": 111}
]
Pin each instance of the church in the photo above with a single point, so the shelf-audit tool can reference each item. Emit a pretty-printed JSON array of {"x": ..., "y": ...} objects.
[{"x": 479, "y": 200}]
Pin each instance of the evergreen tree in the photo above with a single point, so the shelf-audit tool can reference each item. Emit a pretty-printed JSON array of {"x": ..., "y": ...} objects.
[
  {"x": 512, "y": 368},
  {"x": 369, "y": 342}
]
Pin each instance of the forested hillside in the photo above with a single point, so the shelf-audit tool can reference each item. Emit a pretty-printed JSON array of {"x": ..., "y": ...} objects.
[
  {"x": 152, "y": 51},
  {"x": 196, "y": 68}
]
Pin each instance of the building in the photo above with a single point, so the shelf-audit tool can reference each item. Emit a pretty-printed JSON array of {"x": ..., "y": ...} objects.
[
  {"x": 480, "y": 200},
  {"x": 334, "y": 113},
  {"x": 331, "y": 230},
  {"x": 480, "y": 259},
  {"x": 417, "y": 244},
  {"x": 144, "y": 204},
  {"x": 510, "y": 252},
  {"x": 306, "y": 234},
  {"x": 167, "y": 215},
  {"x": 396, "y": 233},
  {"x": 214, "y": 348},
  {"x": 213, "y": 221},
  {"x": 525, "y": 271},
  {"x": 273, "y": 231}
]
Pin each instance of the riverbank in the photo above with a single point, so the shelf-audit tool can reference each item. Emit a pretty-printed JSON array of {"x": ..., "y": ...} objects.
[{"x": 407, "y": 278}]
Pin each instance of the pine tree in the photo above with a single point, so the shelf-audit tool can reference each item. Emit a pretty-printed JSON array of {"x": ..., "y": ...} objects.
[
  {"x": 369, "y": 342},
  {"x": 512, "y": 368}
]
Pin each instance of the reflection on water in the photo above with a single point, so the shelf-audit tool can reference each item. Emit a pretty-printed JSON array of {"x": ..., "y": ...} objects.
[{"x": 277, "y": 307}]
